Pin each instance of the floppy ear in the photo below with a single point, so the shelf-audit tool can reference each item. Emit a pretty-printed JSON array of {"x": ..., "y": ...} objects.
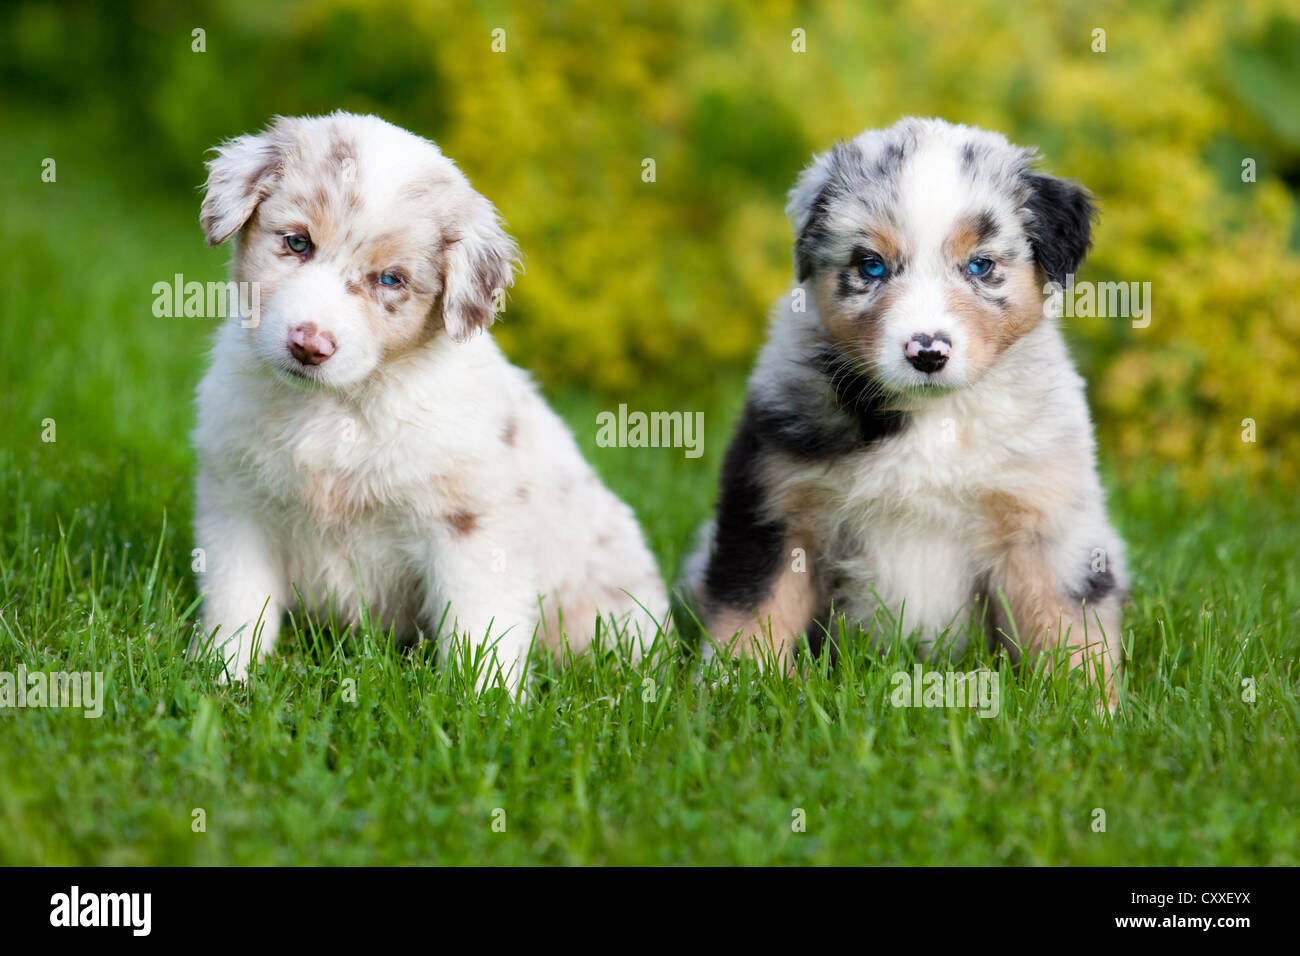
[
  {"x": 240, "y": 176},
  {"x": 478, "y": 266},
  {"x": 806, "y": 207},
  {"x": 1059, "y": 224}
]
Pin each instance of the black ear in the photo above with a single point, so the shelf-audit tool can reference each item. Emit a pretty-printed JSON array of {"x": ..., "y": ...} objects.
[{"x": 1059, "y": 223}]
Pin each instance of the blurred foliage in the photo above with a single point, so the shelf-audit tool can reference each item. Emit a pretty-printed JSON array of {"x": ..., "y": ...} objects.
[{"x": 671, "y": 281}]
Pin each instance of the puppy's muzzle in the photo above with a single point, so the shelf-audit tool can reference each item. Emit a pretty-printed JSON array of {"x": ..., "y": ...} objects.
[
  {"x": 928, "y": 353},
  {"x": 309, "y": 345}
]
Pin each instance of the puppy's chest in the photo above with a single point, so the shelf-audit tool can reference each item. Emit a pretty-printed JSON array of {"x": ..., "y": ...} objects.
[
  {"x": 335, "y": 472},
  {"x": 925, "y": 484},
  {"x": 935, "y": 460}
]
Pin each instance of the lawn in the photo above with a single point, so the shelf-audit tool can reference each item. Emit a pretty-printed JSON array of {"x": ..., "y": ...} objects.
[{"x": 345, "y": 750}]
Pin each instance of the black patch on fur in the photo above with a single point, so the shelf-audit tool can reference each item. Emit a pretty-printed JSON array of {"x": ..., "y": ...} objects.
[
  {"x": 856, "y": 395},
  {"x": 1060, "y": 224},
  {"x": 986, "y": 227},
  {"x": 748, "y": 546},
  {"x": 890, "y": 162},
  {"x": 1096, "y": 586},
  {"x": 968, "y": 159},
  {"x": 804, "y": 436},
  {"x": 802, "y": 426}
]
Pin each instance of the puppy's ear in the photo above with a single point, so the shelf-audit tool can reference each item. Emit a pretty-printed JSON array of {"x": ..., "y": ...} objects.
[
  {"x": 806, "y": 208},
  {"x": 240, "y": 176},
  {"x": 478, "y": 266},
  {"x": 1059, "y": 217}
]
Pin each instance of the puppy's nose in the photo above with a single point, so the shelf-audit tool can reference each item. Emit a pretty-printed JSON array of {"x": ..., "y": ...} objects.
[
  {"x": 309, "y": 346},
  {"x": 928, "y": 353}
]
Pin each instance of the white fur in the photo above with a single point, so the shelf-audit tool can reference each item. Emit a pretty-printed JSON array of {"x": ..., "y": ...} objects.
[{"x": 437, "y": 481}]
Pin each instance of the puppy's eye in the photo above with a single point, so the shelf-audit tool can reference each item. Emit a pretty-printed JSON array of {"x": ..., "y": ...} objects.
[
  {"x": 873, "y": 267},
  {"x": 298, "y": 244},
  {"x": 390, "y": 279},
  {"x": 979, "y": 266}
]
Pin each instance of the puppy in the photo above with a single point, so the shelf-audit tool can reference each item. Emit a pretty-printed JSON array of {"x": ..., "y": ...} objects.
[
  {"x": 363, "y": 444},
  {"x": 915, "y": 442}
]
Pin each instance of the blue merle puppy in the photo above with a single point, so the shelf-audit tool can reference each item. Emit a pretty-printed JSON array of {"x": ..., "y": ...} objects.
[{"x": 916, "y": 447}]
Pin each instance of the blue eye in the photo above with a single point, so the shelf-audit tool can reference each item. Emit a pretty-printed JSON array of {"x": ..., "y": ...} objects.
[
  {"x": 873, "y": 268},
  {"x": 298, "y": 244},
  {"x": 390, "y": 279},
  {"x": 979, "y": 266}
]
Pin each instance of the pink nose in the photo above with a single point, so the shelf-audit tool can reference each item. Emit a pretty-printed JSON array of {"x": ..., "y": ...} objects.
[
  {"x": 309, "y": 346},
  {"x": 928, "y": 353}
]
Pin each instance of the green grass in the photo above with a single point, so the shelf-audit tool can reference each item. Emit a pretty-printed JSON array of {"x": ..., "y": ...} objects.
[{"x": 599, "y": 766}]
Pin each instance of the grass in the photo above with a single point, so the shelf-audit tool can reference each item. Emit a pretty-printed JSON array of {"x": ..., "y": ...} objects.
[{"x": 606, "y": 763}]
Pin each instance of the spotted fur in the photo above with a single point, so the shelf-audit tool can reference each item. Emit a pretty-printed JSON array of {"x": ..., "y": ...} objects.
[
  {"x": 919, "y": 496},
  {"x": 414, "y": 471}
]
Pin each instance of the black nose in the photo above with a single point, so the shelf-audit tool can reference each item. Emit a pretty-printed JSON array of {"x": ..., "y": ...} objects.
[{"x": 927, "y": 353}]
